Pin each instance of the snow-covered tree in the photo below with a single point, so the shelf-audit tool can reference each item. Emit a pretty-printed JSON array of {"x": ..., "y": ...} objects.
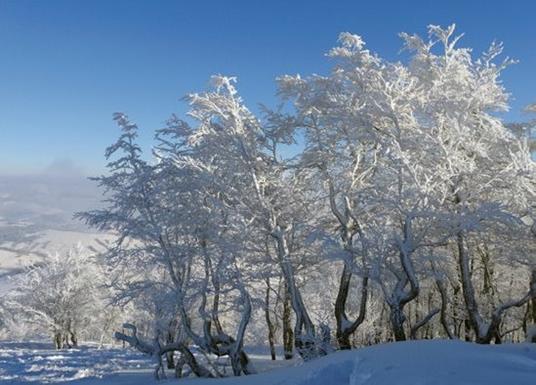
[
  {"x": 409, "y": 190},
  {"x": 487, "y": 175},
  {"x": 61, "y": 296}
]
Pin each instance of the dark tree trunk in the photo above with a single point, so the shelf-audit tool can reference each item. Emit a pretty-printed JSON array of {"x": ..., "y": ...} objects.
[
  {"x": 398, "y": 318},
  {"x": 58, "y": 340},
  {"x": 440, "y": 284},
  {"x": 74, "y": 339},
  {"x": 269, "y": 322},
  {"x": 344, "y": 328},
  {"x": 532, "y": 308},
  {"x": 343, "y": 339},
  {"x": 288, "y": 335}
]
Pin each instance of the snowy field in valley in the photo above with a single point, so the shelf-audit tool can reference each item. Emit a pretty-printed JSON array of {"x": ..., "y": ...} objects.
[
  {"x": 36, "y": 219},
  {"x": 437, "y": 362}
]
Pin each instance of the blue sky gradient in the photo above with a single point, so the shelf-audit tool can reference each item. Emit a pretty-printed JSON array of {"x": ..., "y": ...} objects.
[{"x": 66, "y": 66}]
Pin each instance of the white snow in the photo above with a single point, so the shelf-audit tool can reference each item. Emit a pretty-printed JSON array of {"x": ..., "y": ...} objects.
[
  {"x": 38, "y": 362},
  {"x": 433, "y": 362}
]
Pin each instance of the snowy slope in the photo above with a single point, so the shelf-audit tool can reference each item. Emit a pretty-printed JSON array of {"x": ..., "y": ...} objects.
[{"x": 436, "y": 362}]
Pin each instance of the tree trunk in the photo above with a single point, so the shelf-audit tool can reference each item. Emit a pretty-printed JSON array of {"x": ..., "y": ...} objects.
[
  {"x": 74, "y": 339},
  {"x": 170, "y": 360},
  {"x": 419, "y": 324},
  {"x": 58, "y": 340},
  {"x": 444, "y": 303},
  {"x": 305, "y": 343},
  {"x": 345, "y": 328},
  {"x": 269, "y": 322},
  {"x": 474, "y": 321},
  {"x": 398, "y": 318},
  {"x": 400, "y": 297},
  {"x": 288, "y": 335},
  {"x": 343, "y": 338},
  {"x": 533, "y": 299}
]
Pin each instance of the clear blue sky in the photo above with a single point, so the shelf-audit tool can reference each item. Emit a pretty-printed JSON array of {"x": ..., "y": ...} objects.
[{"x": 66, "y": 66}]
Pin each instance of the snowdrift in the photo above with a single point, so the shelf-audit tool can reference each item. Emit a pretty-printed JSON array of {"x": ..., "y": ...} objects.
[{"x": 422, "y": 362}]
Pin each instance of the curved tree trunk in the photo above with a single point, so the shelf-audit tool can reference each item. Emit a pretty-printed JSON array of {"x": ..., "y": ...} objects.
[
  {"x": 345, "y": 328},
  {"x": 305, "y": 342},
  {"x": 484, "y": 332},
  {"x": 157, "y": 351},
  {"x": 400, "y": 296}
]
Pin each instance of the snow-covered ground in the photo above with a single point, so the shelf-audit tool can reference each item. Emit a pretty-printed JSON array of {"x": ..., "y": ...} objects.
[
  {"x": 435, "y": 362},
  {"x": 38, "y": 362}
]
